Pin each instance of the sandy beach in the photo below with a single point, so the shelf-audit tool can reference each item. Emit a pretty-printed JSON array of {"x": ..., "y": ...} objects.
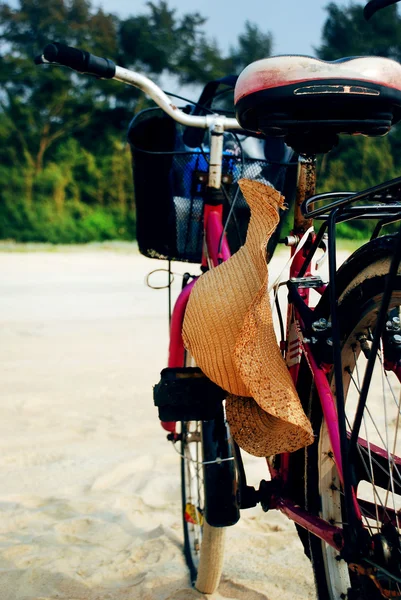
[{"x": 89, "y": 486}]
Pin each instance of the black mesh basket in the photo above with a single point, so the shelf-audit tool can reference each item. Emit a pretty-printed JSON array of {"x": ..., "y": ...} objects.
[{"x": 170, "y": 182}]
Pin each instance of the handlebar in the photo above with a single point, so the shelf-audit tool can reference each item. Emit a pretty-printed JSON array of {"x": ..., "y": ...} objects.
[
  {"x": 76, "y": 59},
  {"x": 84, "y": 62}
]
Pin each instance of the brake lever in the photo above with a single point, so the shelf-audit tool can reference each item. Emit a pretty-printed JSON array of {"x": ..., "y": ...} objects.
[{"x": 40, "y": 60}]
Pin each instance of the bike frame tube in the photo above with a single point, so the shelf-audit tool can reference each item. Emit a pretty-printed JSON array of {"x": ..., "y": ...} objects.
[
  {"x": 176, "y": 347},
  {"x": 306, "y": 188},
  {"x": 213, "y": 224},
  {"x": 331, "y": 534},
  {"x": 213, "y": 231},
  {"x": 176, "y": 355},
  {"x": 331, "y": 418},
  {"x": 213, "y": 214},
  {"x": 328, "y": 407}
]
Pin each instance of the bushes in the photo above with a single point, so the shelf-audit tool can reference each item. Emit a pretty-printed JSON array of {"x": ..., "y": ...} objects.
[
  {"x": 76, "y": 198},
  {"x": 80, "y": 196},
  {"x": 355, "y": 164},
  {"x": 77, "y": 223}
]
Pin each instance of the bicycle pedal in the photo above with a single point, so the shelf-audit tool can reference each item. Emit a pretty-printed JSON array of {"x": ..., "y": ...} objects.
[{"x": 186, "y": 394}]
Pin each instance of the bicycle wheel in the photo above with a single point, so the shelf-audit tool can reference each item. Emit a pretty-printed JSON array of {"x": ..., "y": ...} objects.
[
  {"x": 377, "y": 470},
  {"x": 203, "y": 544}
]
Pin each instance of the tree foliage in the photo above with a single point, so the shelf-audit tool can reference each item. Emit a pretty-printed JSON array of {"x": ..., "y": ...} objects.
[
  {"x": 347, "y": 33},
  {"x": 65, "y": 171},
  {"x": 252, "y": 45},
  {"x": 359, "y": 162}
]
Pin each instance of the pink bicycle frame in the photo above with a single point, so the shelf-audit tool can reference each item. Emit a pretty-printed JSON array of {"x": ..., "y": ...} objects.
[
  {"x": 331, "y": 534},
  {"x": 215, "y": 251},
  {"x": 213, "y": 224}
]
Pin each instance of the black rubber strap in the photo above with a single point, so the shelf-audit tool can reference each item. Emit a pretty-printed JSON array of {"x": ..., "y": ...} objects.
[
  {"x": 79, "y": 60},
  {"x": 210, "y": 90},
  {"x": 193, "y": 136}
]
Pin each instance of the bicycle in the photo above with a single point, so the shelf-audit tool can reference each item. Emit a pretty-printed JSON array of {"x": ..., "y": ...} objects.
[{"x": 343, "y": 490}]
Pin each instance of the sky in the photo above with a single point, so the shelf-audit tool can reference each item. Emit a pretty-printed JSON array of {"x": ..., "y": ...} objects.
[{"x": 295, "y": 24}]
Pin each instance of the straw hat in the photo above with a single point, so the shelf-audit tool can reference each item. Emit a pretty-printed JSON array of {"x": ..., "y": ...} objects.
[
  {"x": 258, "y": 432},
  {"x": 228, "y": 328}
]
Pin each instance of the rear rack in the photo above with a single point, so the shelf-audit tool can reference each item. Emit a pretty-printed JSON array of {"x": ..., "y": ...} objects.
[
  {"x": 385, "y": 202},
  {"x": 385, "y": 207}
]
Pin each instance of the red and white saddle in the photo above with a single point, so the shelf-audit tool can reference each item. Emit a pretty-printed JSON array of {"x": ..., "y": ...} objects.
[{"x": 295, "y": 96}]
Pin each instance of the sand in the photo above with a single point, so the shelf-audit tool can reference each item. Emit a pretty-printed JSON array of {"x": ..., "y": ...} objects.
[{"x": 89, "y": 486}]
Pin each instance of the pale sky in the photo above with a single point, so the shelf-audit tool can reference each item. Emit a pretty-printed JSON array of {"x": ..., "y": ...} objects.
[{"x": 295, "y": 24}]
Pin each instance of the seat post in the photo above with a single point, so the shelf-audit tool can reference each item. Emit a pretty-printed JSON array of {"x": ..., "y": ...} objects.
[{"x": 306, "y": 187}]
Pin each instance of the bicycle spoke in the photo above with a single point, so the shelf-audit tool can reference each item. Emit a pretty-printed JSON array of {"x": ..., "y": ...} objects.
[
  {"x": 194, "y": 488},
  {"x": 390, "y": 463},
  {"x": 376, "y": 460},
  {"x": 379, "y": 477},
  {"x": 368, "y": 473},
  {"x": 385, "y": 449},
  {"x": 374, "y": 489}
]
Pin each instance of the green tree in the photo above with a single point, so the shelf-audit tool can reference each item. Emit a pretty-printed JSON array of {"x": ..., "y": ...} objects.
[
  {"x": 65, "y": 166},
  {"x": 253, "y": 44},
  {"x": 43, "y": 106},
  {"x": 359, "y": 162},
  {"x": 347, "y": 33},
  {"x": 160, "y": 41}
]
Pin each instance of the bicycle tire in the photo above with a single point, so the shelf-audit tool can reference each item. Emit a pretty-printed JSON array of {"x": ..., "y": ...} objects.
[
  {"x": 358, "y": 306},
  {"x": 203, "y": 544}
]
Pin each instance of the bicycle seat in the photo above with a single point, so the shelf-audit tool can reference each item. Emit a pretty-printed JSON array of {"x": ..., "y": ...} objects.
[{"x": 309, "y": 101}]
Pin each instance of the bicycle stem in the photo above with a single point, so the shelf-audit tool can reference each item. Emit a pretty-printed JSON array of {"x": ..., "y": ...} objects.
[
  {"x": 216, "y": 123},
  {"x": 216, "y": 154}
]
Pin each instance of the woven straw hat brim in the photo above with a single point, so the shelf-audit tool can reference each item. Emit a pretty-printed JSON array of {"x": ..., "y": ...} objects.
[
  {"x": 259, "y": 362},
  {"x": 221, "y": 298},
  {"x": 228, "y": 328},
  {"x": 257, "y": 431}
]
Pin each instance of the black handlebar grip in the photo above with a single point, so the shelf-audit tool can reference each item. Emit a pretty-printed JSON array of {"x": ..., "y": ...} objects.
[{"x": 79, "y": 60}]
